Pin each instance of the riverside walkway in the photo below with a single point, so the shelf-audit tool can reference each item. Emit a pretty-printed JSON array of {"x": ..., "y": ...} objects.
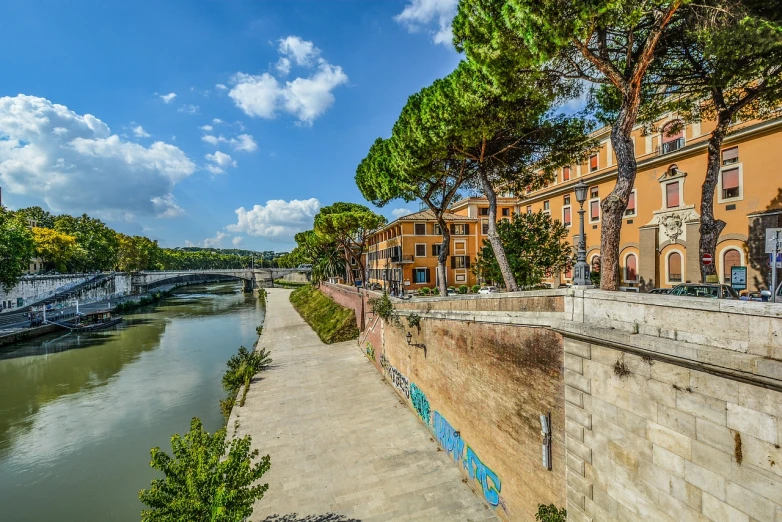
[{"x": 342, "y": 447}]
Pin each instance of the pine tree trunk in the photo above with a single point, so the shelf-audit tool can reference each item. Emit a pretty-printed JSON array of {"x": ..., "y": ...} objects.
[
  {"x": 494, "y": 238},
  {"x": 613, "y": 207},
  {"x": 445, "y": 250},
  {"x": 711, "y": 228}
]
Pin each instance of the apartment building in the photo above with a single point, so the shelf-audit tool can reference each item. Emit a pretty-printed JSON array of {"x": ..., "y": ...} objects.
[
  {"x": 404, "y": 253},
  {"x": 660, "y": 234}
]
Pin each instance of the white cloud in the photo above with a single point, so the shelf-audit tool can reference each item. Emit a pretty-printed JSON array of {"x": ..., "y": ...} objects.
[
  {"x": 217, "y": 121},
  {"x": 278, "y": 219},
  {"x": 75, "y": 164},
  {"x": 219, "y": 161},
  {"x": 237, "y": 241},
  {"x": 139, "y": 132},
  {"x": 399, "y": 212},
  {"x": 167, "y": 98},
  {"x": 221, "y": 86},
  {"x": 189, "y": 109},
  {"x": 242, "y": 143},
  {"x": 216, "y": 241},
  {"x": 206, "y": 128},
  {"x": 306, "y": 98},
  {"x": 424, "y": 14}
]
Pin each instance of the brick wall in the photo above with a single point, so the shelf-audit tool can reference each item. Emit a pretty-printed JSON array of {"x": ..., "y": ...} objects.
[
  {"x": 655, "y": 441},
  {"x": 481, "y": 389},
  {"x": 346, "y": 296}
]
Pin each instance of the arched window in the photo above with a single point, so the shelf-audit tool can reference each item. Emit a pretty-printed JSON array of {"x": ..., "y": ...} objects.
[
  {"x": 730, "y": 258},
  {"x": 675, "y": 267},
  {"x": 595, "y": 263},
  {"x": 631, "y": 268}
]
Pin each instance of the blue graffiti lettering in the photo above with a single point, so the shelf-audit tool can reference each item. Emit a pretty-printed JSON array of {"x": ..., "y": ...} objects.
[
  {"x": 449, "y": 438},
  {"x": 489, "y": 480},
  {"x": 420, "y": 402}
]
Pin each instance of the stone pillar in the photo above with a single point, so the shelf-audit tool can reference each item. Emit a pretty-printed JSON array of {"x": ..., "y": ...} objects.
[
  {"x": 692, "y": 247},
  {"x": 649, "y": 258}
]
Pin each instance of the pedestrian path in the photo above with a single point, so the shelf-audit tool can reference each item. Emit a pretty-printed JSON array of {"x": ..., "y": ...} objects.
[{"x": 343, "y": 447}]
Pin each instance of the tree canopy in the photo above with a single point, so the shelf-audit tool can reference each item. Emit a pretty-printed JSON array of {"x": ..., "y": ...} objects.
[
  {"x": 16, "y": 248},
  {"x": 55, "y": 249}
]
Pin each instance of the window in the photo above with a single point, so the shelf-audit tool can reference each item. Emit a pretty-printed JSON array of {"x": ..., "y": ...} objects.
[
  {"x": 529, "y": 209},
  {"x": 672, "y": 194},
  {"x": 420, "y": 250},
  {"x": 460, "y": 262},
  {"x": 546, "y": 205},
  {"x": 460, "y": 229},
  {"x": 436, "y": 250},
  {"x": 630, "y": 211},
  {"x": 484, "y": 211},
  {"x": 569, "y": 273},
  {"x": 593, "y": 192},
  {"x": 730, "y": 258},
  {"x": 675, "y": 267},
  {"x": 593, "y": 163},
  {"x": 594, "y": 210},
  {"x": 565, "y": 173},
  {"x": 566, "y": 219},
  {"x": 595, "y": 264},
  {"x": 672, "y": 137},
  {"x": 506, "y": 212},
  {"x": 730, "y": 156},
  {"x": 352, "y": 260},
  {"x": 631, "y": 268},
  {"x": 484, "y": 228},
  {"x": 566, "y": 200},
  {"x": 730, "y": 183},
  {"x": 421, "y": 275},
  {"x": 420, "y": 229},
  {"x": 437, "y": 230}
]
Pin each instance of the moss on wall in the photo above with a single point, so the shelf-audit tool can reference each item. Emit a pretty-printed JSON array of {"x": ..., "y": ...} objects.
[{"x": 332, "y": 322}]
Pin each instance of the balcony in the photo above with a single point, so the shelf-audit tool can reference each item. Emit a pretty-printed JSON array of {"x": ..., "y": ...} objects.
[
  {"x": 402, "y": 259},
  {"x": 670, "y": 146}
]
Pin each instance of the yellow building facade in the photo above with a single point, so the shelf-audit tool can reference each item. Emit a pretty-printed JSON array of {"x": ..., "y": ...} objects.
[
  {"x": 659, "y": 244},
  {"x": 404, "y": 253}
]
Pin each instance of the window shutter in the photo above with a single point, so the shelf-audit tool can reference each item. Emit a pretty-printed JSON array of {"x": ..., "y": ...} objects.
[
  {"x": 453, "y": 228},
  {"x": 730, "y": 155},
  {"x": 467, "y": 229},
  {"x": 730, "y": 179},
  {"x": 453, "y": 261},
  {"x": 434, "y": 250},
  {"x": 428, "y": 277},
  {"x": 467, "y": 261}
]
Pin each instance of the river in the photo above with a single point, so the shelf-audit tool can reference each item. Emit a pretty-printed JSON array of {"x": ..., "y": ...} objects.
[{"x": 79, "y": 414}]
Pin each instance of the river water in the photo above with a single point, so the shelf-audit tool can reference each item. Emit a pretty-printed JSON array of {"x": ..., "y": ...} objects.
[{"x": 79, "y": 414}]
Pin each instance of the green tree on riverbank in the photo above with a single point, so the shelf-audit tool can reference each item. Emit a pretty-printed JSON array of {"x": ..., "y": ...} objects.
[
  {"x": 16, "y": 248},
  {"x": 208, "y": 479}
]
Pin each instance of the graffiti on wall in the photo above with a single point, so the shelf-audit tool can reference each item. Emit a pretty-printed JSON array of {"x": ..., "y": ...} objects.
[
  {"x": 420, "y": 402},
  {"x": 452, "y": 442},
  {"x": 370, "y": 351},
  {"x": 397, "y": 378}
]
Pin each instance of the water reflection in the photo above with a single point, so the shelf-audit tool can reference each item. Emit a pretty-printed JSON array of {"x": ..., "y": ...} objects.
[{"x": 78, "y": 414}]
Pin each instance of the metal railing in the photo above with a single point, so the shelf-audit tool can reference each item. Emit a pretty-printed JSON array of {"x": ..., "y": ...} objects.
[{"x": 670, "y": 146}]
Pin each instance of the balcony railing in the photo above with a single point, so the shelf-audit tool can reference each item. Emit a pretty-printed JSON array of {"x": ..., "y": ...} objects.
[
  {"x": 670, "y": 146},
  {"x": 402, "y": 259}
]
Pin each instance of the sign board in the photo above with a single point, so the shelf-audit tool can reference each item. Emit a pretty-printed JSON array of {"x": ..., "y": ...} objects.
[
  {"x": 407, "y": 282},
  {"x": 712, "y": 278},
  {"x": 771, "y": 234},
  {"x": 359, "y": 283},
  {"x": 738, "y": 277},
  {"x": 707, "y": 259},
  {"x": 779, "y": 261}
]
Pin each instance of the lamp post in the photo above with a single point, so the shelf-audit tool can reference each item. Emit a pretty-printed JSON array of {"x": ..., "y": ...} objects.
[{"x": 581, "y": 270}]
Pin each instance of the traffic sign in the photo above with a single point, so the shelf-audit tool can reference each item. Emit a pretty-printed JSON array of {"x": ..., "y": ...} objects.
[{"x": 707, "y": 259}]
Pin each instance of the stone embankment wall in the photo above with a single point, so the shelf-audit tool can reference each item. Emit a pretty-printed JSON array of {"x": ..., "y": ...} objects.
[
  {"x": 663, "y": 408},
  {"x": 32, "y": 288}
]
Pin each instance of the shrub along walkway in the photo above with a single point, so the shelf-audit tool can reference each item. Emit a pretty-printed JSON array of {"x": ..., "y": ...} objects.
[{"x": 342, "y": 447}]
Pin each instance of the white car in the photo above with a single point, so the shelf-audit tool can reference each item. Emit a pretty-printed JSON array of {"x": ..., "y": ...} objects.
[{"x": 489, "y": 290}]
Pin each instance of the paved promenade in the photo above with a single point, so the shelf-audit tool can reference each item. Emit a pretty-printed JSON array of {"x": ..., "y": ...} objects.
[{"x": 343, "y": 448}]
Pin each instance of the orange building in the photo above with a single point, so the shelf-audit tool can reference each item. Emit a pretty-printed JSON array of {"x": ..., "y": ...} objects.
[
  {"x": 404, "y": 253},
  {"x": 660, "y": 234}
]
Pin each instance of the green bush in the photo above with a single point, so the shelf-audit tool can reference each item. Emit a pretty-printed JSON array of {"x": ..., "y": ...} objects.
[
  {"x": 207, "y": 479},
  {"x": 475, "y": 288},
  {"x": 332, "y": 322},
  {"x": 550, "y": 513},
  {"x": 463, "y": 289},
  {"x": 282, "y": 283},
  {"x": 435, "y": 291},
  {"x": 424, "y": 291}
]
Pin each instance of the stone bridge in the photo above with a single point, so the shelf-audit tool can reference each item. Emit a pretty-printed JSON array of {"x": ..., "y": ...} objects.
[{"x": 142, "y": 282}]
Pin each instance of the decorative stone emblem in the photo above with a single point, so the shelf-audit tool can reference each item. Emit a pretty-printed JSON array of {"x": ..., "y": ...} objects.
[{"x": 672, "y": 225}]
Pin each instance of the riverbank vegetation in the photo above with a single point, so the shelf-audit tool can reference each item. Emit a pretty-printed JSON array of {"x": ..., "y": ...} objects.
[
  {"x": 207, "y": 479},
  {"x": 282, "y": 283},
  {"x": 146, "y": 300},
  {"x": 242, "y": 367},
  {"x": 332, "y": 322}
]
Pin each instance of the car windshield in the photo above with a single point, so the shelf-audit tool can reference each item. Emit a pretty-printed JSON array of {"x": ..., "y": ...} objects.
[{"x": 699, "y": 291}]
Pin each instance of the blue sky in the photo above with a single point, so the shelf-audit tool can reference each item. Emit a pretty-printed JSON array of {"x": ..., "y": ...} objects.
[{"x": 275, "y": 104}]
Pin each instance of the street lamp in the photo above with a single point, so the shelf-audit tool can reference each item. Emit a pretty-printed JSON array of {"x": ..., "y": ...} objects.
[{"x": 581, "y": 270}]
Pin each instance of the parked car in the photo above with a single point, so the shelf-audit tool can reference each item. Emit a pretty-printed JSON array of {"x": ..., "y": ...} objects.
[
  {"x": 660, "y": 291},
  {"x": 452, "y": 292},
  {"x": 713, "y": 291},
  {"x": 489, "y": 290}
]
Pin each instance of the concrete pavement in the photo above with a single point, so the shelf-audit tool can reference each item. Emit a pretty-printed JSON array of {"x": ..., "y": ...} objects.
[{"x": 343, "y": 447}]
